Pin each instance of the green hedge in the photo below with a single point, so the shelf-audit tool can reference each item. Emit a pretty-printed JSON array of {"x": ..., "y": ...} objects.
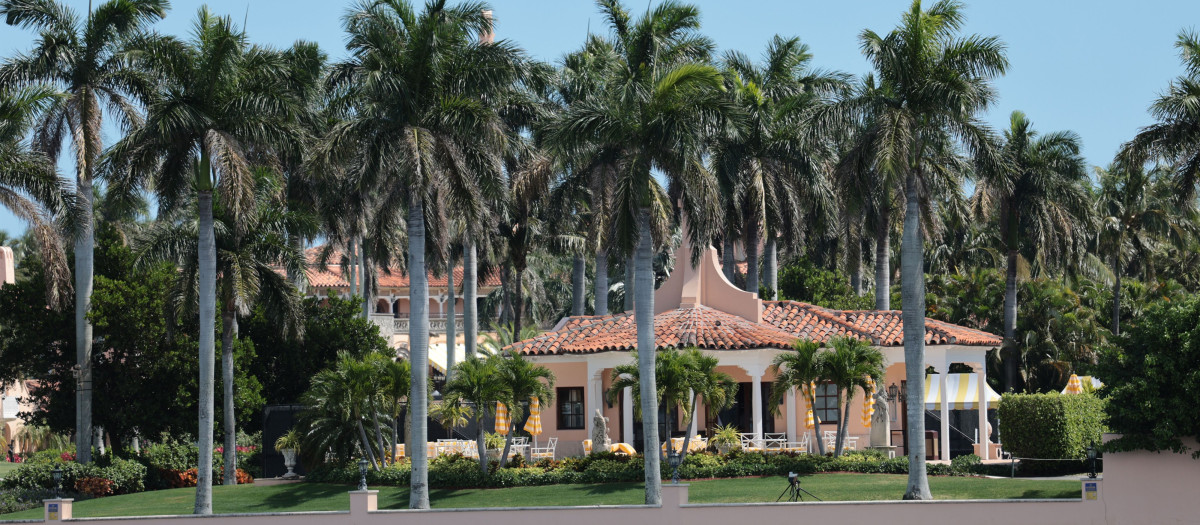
[
  {"x": 128, "y": 476},
  {"x": 455, "y": 471},
  {"x": 1050, "y": 426}
]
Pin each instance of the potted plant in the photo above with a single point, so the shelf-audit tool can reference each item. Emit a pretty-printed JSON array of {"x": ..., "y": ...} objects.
[
  {"x": 289, "y": 445},
  {"x": 726, "y": 438},
  {"x": 495, "y": 445}
]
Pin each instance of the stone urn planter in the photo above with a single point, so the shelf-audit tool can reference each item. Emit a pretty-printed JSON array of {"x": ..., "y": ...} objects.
[
  {"x": 494, "y": 454},
  {"x": 289, "y": 461},
  {"x": 724, "y": 448}
]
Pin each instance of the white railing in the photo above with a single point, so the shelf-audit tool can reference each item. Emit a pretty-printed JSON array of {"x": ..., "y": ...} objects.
[{"x": 401, "y": 325}]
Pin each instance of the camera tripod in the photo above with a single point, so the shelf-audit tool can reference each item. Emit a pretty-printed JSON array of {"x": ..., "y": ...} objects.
[{"x": 793, "y": 490}]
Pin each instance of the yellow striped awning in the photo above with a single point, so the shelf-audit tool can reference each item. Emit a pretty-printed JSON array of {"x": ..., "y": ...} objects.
[
  {"x": 963, "y": 390},
  {"x": 501, "y": 418}
]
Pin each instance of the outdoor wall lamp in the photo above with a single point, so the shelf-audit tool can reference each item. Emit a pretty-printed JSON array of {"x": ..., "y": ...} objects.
[
  {"x": 674, "y": 458},
  {"x": 893, "y": 391},
  {"x": 56, "y": 474},
  {"x": 1091, "y": 455},
  {"x": 362, "y": 474}
]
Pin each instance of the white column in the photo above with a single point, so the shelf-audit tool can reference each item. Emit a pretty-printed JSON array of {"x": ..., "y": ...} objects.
[
  {"x": 757, "y": 405},
  {"x": 790, "y": 407},
  {"x": 590, "y": 400},
  {"x": 944, "y": 435},
  {"x": 627, "y": 416},
  {"x": 981, "y": 404}
]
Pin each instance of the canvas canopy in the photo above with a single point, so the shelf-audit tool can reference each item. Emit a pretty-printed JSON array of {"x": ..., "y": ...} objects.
[{"x": 963, "y": 389}]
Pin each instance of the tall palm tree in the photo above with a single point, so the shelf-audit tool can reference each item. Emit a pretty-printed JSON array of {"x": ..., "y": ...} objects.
[
  {"x": 799, "y": 370},
  {"x": 221, "y": 101},
  {"x": 89, "y": 61},
  {"x": 523, "y": 380},
  {"x": 397, "y": 380},
  {"x": 29, "y": 186},
  {"x": 1174, "y": 139},
  {"x": 848, "y": 364},
  {"x": 768, "y": 166},
  {"x": 418, "y": 84},
  {"x": 475, "y": 382},
  {"x": 246, "y": 276},
  {"x": 1038, "y": 195},
  {"x": 1139, "y": 213},
  {"x": 933, "y": 83},
  {"x": 661, "y": 101}
]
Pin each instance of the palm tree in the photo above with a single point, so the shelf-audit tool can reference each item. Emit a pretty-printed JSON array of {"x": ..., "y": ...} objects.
[
  {"x": 29, "y": 186},
  {"x": 1038, "y": 194},
  {"x": 397, "y": 381},
  {"x": 717, "y": 390},
  {"x": 89, "y": 62},
  {"x": 799, "y": 370},
  {"x": 672, "y": 376},
  {"x": 338, "y": 402},
  {"x": 476, "y": 381},
  {"x": 220, "y": 100},
  {"x": 847, "y": 365},
  {"x": 246, "y": 275},
  {"x": 932, "y": 84},
  {"x": 769, "y": 169},
  {"x": 1174, "y": 140},
  {"x": 522, "y": 381},
  {"x": 418, "y": 85},
  {"x": 1139, "y": 213},
  {"x": 662, "y": 99}
]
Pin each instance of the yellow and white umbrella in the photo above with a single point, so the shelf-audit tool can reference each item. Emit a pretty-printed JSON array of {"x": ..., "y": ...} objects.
[
  {"x": 869, "y": 403},
  {"x": 533, "y": 424},
  {"x": 807, "y": 391},
  {"x": 1074, "y": 385},
  {"x": 501, "y": 418}
]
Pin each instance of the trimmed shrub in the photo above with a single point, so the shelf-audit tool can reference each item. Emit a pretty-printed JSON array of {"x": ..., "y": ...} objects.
[
  {"x": 15, "y": 500},
  {"x": 1050, "y": 426}
]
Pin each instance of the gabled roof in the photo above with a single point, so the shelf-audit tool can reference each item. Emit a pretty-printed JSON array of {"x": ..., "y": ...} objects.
[
  {"x": 697, "y": 326},
  {"x": 881, "y": 327}
]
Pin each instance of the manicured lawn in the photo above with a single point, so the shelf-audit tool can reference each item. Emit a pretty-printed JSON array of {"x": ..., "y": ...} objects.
[
  {"x": 312, "y": 496},
  {"x": 6, "y": 467}
]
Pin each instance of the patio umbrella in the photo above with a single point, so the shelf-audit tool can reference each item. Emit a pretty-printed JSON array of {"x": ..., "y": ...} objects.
[
  {"x": 869, "y": 403},
  {"x": 501, "y": 418},
  {"x": 1074, "y": 386},
  {"x": 533, "y": 425}
]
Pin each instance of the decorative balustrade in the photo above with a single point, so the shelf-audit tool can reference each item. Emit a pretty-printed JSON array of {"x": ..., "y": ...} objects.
[{"x": 389, "y": 325}]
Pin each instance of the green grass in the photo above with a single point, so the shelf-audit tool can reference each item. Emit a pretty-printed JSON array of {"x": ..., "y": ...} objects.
[
  {"x": 314, "y": 496},
  {"x": 6, "y": 467}
]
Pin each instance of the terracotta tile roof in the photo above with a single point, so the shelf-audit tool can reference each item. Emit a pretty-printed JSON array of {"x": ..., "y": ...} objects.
[
  {"x": 882, "y": 328},
  {"x": 699, "y": 326},
  {"x": 331, "y": 276}
]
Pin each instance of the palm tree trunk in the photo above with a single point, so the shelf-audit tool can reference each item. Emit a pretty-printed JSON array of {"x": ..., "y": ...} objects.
[
  {"x": 207, "y": 251},
  {"x": 817, "y": 427},
  {"x": 578, "y": 286},
  {"x": 480, "y": 445},
  {"x": 1010, "y": 323},
  {"x": 644, "y": 316},
  {"x": 418, "y": 399},
  {"x": 728, "y": 263},
  {"x": 352, "y": 266},
  {"x": 451, "y": 330},
  {"x": 629, "y": 284},
  {"x": 518, "y": 301},
  {"x": 364, "y": 273},
  {"x": 470, "y": 306},
  {"x": 366, "y": 444},
  {"x": 395, "y": 434},
  {"x": 229, "y": 456},
  {"x": 84, "y": 247},
  {"x": 843, "y": 425},
  {"x": 505, "y": 295},
  {"x": 771, "y": 267},
  {"x": 383, "y": 455},
  {"x": 912, "y": 298},
  {"x": 854, "y": 265},
  {"x": 883, "y": 261},
  {"x": 601, "y": 283},
  {"x": 1116, "y": 311},
  {"x": 752, "y": 257},
  {"x": 507, "y": 444},
  {"x": 687, "y": 437}
]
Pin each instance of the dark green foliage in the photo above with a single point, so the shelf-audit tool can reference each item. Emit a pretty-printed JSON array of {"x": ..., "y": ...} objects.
[
  {"x": 456, "y": 471},
  {"x": 1153, "y": 382},
  {"x": 15, "y": 500},
  {"x": 127, "y": 476},
  {"x": 285, "y": 365},
  {"x": 1050, "y": 426},
  {"x": 802, "y": 280}
]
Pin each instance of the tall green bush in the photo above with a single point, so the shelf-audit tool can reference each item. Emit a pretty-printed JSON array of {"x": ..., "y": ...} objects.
[{"x": 1050, "y": 426}]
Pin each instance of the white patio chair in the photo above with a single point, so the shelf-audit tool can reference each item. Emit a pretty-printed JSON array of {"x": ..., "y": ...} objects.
[
  {"x": 546, "y": 452},
  {"x": 774, "y": 441}
]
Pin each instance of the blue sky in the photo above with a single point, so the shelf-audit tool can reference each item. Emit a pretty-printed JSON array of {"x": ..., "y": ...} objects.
[{"x": 1092, "y": 67}]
